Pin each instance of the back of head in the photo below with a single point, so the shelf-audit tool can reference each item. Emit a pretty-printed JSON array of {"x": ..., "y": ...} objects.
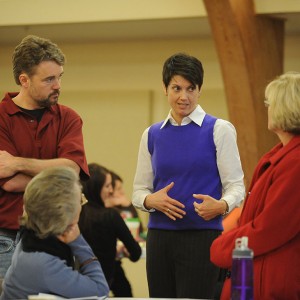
[
  {"x": 93, "y": 186},
  {"x": 283, "y": 96},
  {"x": 187, "y": 66},
  {"x": 51, "y": 201},
  {"x": 31, "y": 52}
]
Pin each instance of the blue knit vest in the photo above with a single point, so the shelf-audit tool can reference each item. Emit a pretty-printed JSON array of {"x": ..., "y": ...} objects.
[{"x": 185, "y": 155}]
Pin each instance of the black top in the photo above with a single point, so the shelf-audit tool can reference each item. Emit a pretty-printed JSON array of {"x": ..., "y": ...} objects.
[
  {"x": 101, "y": 227},
  {"x": 34, "y": 113},
  {"x": 129, "y": 212}
]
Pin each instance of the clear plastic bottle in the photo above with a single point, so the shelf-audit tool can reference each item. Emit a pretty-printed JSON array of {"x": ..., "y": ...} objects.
[{"x": 242, "y": 271}]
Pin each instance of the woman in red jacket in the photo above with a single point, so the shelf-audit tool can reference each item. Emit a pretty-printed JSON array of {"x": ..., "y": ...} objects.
[{"x": 270, "y": 216}]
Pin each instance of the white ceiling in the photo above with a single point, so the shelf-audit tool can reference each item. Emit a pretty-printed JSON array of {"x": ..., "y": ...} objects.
[
  {"x": 109, "y": 31},
  {"x": 129, "y": 30}
]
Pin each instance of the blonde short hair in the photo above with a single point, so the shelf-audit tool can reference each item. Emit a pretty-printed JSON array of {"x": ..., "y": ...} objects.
[
  {"x": 283, "y": 97},
  {"x": 51, "y": 201}
]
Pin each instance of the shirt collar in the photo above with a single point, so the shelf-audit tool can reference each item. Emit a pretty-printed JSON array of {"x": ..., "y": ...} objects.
[
  {"x": 11, "y": 108},
  {"x": 276, "y": 154},
  {"x": 196, "y": 116}
]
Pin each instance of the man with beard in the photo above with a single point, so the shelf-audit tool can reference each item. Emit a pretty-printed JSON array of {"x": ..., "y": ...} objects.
[{"x": 35, "y": 133}]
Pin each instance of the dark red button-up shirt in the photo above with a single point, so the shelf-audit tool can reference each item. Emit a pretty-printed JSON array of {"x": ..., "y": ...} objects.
[{"x": 57, "y": 135}]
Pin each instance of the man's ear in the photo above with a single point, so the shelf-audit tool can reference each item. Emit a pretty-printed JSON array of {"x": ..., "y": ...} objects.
[{"x": 24, "y": 80}]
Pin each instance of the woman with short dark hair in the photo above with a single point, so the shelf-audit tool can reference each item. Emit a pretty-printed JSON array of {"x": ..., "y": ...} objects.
[{"x": 188, "y": 175}]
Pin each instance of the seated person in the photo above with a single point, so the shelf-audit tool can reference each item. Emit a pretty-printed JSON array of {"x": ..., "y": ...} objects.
[
  {"x": 43, "y": 261},
  {"x": 102, "y": 226},
  {"x": 121, "y": 286},
  {"x": 120, "y": 201}
]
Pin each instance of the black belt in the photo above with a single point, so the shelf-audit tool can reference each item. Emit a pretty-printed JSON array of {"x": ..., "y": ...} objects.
[{"x": 8, "y": 232}]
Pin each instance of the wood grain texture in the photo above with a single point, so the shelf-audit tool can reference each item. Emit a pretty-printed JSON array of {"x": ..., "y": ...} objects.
[{"x": 250, "y": 51}]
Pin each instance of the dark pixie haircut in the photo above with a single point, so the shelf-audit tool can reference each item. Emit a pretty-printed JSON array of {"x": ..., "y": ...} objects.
[
  {"x": 92, "y": 187},
  {"x": 31, "y": 52},
  {"x": 187, "y": 66}
]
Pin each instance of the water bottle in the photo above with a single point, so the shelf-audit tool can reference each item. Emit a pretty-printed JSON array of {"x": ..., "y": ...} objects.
[{"x": 242, "y": 271}]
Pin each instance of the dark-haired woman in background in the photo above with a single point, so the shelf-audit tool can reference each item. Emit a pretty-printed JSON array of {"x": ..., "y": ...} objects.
[
  {"x": 102, "y": 226},
  {"x": 121, "y": 286}
]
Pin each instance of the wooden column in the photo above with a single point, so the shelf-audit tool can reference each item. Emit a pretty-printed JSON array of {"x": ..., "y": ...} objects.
[{"x": 250, "y": 50}]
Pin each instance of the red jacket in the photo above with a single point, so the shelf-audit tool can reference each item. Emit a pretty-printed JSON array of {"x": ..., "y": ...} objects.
[{"x": 271, "y": 220}]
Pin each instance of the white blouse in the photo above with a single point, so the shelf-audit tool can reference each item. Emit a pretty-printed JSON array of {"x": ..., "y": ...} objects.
[{"x": 228, "y": 162}]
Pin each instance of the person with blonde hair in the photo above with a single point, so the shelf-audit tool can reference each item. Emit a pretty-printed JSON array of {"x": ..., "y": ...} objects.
[
  {"x": 43, "y": 261},
  {"x": 270, "y": 215}
]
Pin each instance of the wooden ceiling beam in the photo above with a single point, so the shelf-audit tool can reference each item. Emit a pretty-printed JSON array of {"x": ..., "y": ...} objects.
[{"x": 250, "y": 51}]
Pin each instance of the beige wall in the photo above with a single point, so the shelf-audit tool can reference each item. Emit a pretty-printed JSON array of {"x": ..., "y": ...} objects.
[{"x": 116, "y": 88}]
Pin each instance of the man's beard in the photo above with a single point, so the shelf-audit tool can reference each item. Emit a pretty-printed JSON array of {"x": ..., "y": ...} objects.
[{"x": 48, "y": 102}]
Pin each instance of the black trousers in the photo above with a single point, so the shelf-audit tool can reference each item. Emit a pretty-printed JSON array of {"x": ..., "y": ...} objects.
[
  {"x": 120, "y": 286},
  {"x": 178, "y": 264}
]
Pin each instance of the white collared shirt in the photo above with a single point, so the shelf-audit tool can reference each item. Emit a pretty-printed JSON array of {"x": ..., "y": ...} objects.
[{"x": 228, "y": 162}]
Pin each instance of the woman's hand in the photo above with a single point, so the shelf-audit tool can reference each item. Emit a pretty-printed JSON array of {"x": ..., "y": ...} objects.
[
  {"x": 121, "y": 250},
  {"x": 161, "y": 201},
  {"x": 210, "y": 207}
]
